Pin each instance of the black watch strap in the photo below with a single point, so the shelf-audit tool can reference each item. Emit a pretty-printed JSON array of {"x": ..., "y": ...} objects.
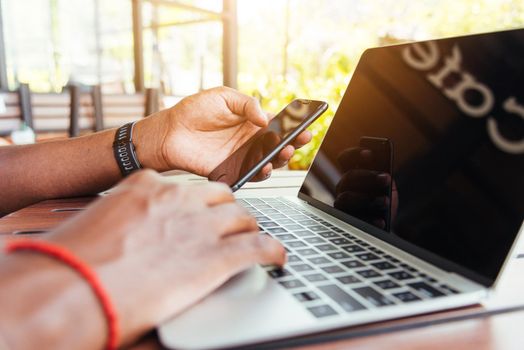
[{"x": 124, "y": 150}]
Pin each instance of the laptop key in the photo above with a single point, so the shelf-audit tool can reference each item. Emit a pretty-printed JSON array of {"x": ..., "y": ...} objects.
[
  {"x": 367, "y": 256},
  {"x": 279, "y": 273},
  {"x": 426, "y": 289},
  {"x": 286, "y": 237},
  {"x": 285, "y": 221},
  {"x": 327, "y": 234},
  {"x": 401, "y": 275},
  {"x": 317, "y": 228},
  {"x": 348, "y": 279},
  {"x": 406, "y": 296},
  {"x": 408, "y": 268},
  {"x": 352, "y": 264},
  {"x": 340, "y": 241},
  {"x": 376, "y": 250},
  {"x": 293, "y": 227},
  {"x": 293, "y": 258},
  {"x": 336, "y": 229},
  {"x": 319, "y": 260},
  {"x": 339, "y": 255},
  {"x": 326, "y": 247},
  {"x": 353, "y": 248},
  {"x": 303, "y": 233},
  {"x": 307, "y": 252},
  {"x": 383, "y": 265},
  {"x": 314, "y": 240},
  {"x": 386, "y": 284},
  {"x": 300, "y": 218},
  {"x": 306, "y": 296},
  {"x": 322, "y": 311},
  {"x": 315, "y": 277},
  {"x": 333, "y": 269},
  {"x": 373, "y": 296},
  {"x": 278, "y": 216},
  {"x": 275, "y": 230},
  {"x": 308, "y": 222},
  {"x": 346, "y": 301},
  {"x": 449, "y": 289},
  {"x": 369, "y": 273},
  {"x": 268, "y": 224},
  {"x": 301, "y": 267},
  {"x": 291, "y": 284},
  {"x": 295, "y": 244}
]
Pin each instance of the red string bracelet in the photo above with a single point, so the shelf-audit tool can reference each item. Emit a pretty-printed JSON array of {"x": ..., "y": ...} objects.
[{"x": 63, "y": 255}]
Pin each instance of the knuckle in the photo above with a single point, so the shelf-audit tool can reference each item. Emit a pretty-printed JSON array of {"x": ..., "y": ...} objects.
[
  {"x": 257, "y": 244},
  {"x": 240, "y": 211},
  {"x": 218, "y": 90},
  {"x": 272, "y": 249}
]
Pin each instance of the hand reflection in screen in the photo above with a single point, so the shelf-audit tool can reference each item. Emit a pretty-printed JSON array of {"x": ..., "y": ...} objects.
[{"x": 366, "y": 189}]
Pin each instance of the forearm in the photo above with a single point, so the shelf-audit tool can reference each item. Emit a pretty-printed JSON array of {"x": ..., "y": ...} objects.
[
  {"x": 66, "y": 168},
  {"x": 63, "y": 168},
  {"x": 45, "y": 305}
]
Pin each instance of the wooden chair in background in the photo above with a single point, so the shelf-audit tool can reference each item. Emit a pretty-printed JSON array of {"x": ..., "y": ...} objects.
[
  {"x": 85, "y": 113},
  {"x": 77, "y": 110},
  {"x": 118, "y": 109},
  {"x": 15, "y": 106}
]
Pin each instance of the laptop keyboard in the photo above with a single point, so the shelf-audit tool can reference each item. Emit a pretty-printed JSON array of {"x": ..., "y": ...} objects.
[{"x": 331, "y": 271}]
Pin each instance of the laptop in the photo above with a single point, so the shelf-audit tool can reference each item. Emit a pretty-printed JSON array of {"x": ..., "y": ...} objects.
[{"x": 412, "y": 205}]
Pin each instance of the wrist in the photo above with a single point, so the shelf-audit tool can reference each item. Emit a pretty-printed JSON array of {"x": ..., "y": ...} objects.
[
  {"x": 148, "y": 138},
  {"x": 40, "y": 296}
]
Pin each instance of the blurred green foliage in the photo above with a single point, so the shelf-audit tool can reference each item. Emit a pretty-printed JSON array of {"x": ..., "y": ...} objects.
[
  {"x": 275, "y": 92},
  {"x": 309, "y": 48}
]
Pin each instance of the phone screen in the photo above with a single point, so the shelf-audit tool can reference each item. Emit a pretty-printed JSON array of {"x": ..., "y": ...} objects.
[{"x": 259, "y": 150}]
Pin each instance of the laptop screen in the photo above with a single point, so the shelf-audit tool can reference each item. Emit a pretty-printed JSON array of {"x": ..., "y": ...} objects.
[{"x": 427, "y": 150}]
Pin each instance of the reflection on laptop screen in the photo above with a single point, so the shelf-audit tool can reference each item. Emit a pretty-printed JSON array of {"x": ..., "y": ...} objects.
[{"x": 428, "y": 145}]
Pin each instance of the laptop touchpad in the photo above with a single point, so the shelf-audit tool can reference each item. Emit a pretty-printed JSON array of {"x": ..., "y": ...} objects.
[{"x": 246, "y": 283}]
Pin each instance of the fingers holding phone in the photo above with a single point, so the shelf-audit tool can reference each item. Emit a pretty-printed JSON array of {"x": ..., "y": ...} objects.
[{"x": 267, "y": 149}]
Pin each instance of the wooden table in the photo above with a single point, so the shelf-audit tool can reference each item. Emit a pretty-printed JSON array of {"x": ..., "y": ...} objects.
[{"x": 497, "y": 324}]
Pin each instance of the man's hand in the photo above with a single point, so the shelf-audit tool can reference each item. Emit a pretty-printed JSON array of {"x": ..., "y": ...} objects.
[
  {"x": 157, "y": 247},
  {"x": 195, "y": 135},
  {"x": 203, "y": 130}
]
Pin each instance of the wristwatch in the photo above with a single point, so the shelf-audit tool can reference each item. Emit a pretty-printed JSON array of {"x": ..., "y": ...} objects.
[{"x": 124, "y": 150}]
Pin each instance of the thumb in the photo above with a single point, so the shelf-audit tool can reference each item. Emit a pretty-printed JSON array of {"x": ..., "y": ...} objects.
[{"x": 245, "y": 106}]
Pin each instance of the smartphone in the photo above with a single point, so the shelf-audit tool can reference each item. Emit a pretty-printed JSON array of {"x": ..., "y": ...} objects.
[
  {"x": 254, "y": 154},
  {"x": 381, "y": 162}
]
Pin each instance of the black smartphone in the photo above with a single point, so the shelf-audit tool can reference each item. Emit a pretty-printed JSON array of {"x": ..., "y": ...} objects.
[
  {"x": 381, "y": 162},
  {"x": 250, "y": 158}
]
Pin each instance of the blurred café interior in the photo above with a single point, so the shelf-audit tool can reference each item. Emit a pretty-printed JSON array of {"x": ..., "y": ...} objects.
[{"x": 87, "y": 65}]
